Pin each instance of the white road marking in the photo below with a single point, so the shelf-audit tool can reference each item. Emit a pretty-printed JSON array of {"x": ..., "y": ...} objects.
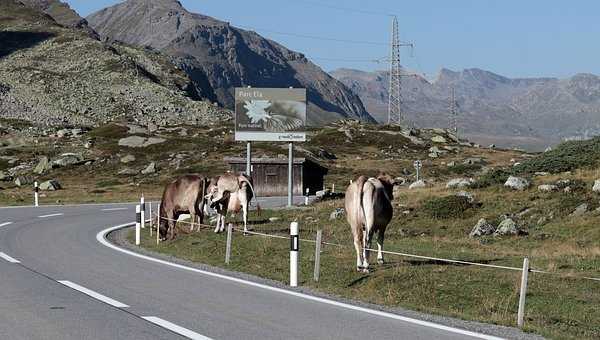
[
  {"x": 51, "y": 215},
  {"x": 174, "y": 328},
  {"x": 101, "y": 237},
  {"x": 5, "y": 224},
  {"x": 114, "y": 209},
  {"x": 8, "y": 258},
  {"x": 93, "y": 294}
]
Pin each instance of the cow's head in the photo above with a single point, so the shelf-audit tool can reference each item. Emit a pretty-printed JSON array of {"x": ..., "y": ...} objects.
[{"x": 388, "y": 183}]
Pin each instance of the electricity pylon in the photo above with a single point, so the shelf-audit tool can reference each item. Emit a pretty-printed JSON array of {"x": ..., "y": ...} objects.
[{"x": 395, "y": 99}]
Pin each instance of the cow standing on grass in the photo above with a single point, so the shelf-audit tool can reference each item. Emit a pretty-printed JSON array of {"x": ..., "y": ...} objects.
[
  {"x": 185, "y": 195},
  {"x": 230, "y": 193},
  {"x": 368, "y": 210}
]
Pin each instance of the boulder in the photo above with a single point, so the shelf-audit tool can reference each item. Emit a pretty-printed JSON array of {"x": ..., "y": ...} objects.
[
  {"x": 127, "y": 159},
  {"x": 274, "y": 219},
  {"x": 418, "y": 184},
  {"x": 322, "y": 193},
  {"x": 507, "y": 227},
  {"x": 580, "y": 210},
  {"x": 23, "y": 180},
  {"x": 337, "y": 213},
  {"x": 438, "y": 139},
  {"x": 150, "y": 169},
  {"x": 139, "y": 142},
  {"x": 547, "y": 188},
  {"x": 324, "y": 154},
  {"x": 42, "y": 166},
  {"x": 517, "y": 183},
  {"x": 66, "y": 159},
  {"x": 50, "y": 185},
  {"x": 469, "y": 196},
  {"x": 596, "y": 187},
  {"x": 62, "y": 133},
  {"x": 459, "y": 183},
  {"x": 4, "y": 176},
  {"x": 482, "y": 228},
  {"x": 473, "y": 161},
  {"x": 128, "y": 172}
]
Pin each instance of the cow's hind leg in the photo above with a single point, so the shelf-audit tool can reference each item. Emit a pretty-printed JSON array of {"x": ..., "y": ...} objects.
[
  {"x": 358, "y": 247},
  {"x": 380, "y": 237},
  {"x": 218, "y": 224},
  {"x": 245, "y": 216}
]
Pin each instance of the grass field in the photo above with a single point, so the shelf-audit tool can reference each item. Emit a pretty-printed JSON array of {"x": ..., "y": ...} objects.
[{"x": 557, "y": 307}]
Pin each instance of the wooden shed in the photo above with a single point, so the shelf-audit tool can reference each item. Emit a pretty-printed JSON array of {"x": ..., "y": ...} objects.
[{"x": 270, "y": 175}]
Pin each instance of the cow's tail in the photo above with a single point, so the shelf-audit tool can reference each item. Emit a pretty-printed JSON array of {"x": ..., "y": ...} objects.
[
  {"x": 258, "y": 209},
  {"x": 359, "y": 208}
]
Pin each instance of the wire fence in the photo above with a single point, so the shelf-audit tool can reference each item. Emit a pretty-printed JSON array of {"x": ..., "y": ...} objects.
[{"x": 423, "y": 257}]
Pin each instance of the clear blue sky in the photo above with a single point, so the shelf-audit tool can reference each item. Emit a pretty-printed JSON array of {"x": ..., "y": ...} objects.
[{"x": 515, "y": 38}]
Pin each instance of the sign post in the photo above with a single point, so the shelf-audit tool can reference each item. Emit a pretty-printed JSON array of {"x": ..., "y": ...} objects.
[{"x": 418, "y": 165}]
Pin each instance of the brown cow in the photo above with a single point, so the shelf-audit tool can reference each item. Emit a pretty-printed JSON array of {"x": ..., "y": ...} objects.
[
  {"x": 185, "y": 195},
  {"x": 368, "y": 210},
  {"x": 230, "y": 193}
]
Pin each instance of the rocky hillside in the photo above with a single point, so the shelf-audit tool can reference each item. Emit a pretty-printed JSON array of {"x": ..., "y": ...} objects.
[
  {"x": 219, "y": 57},
  {"x": 54, "y": 75},
  {"x": 525, "y": 112},
  {"x": 61, "y": 13}
]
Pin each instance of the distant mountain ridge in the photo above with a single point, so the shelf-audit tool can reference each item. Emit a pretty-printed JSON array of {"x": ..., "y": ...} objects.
[
  {"x": 219, "y": 57},
  {"x": 523, "y": 112}
]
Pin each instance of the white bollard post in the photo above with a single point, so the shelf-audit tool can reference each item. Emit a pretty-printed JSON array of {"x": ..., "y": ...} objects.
[
  {"x": 158, "y": 224},
  {"x": 306, "y": 197},
  {"x": 143, "y": 211},
  {"x": 228, "y": 246},
  {"x": 524, "y": 277},
  {"x": 294, "y": 248},
  {"x": 150, "y": 213},
  {"x": 333, "y": 188},
  {"x": 318, "y": 255},
  {"x": 138, "y": 224},
  {"x": 36, "y": 194}
]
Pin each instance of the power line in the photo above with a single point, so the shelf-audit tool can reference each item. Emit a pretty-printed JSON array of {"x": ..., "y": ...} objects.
[
  {"x": 315, "y": 37},
  {"x": 341, "y": 8}
]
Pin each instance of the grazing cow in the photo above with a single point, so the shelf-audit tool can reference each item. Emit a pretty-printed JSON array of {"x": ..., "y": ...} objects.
[
  {"x": 369, "y": 210},
  {"x": 185, "y": 195},
  {"x": 230, "y": 193}
]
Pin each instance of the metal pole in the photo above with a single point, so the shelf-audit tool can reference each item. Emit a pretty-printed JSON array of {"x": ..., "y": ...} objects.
[
  {"x": 524, "y": 277},
  {"x": 290, "y": 174},
  {"x": 138, "y": 224},
  {"x": 333, "y": 188},
  {"x": 318, "y": 255},
  {"x": 294, "y": 248},
  {"x": 36, "y": 194},
  {"x": 248, "y": 159},
  {"x": 228, "y": 247}
]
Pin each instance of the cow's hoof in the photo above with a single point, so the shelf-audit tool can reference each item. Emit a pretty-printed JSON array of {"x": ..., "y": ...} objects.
[
  {"x": 365, "y": 270},
  {"x": 380, "y": 261},
  {"x": 359, "y": 269}
]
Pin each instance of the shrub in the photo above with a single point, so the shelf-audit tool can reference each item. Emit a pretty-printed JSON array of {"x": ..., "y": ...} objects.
[
  {"x": 566, "y": 157},
  {"x": 492, "y": 177},
  {"x": 447, "y": 207}
]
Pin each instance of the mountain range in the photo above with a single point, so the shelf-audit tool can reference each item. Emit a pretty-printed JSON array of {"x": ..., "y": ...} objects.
[
  {"x": 219, "y": 57},
  {"x": 531, "y": 113}
]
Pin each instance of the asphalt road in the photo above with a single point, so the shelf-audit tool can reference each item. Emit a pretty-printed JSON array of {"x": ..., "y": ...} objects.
[{"x": 58, "y": 281}]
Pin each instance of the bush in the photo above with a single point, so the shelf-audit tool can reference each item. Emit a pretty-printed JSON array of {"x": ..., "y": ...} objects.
[
  {"x": 447, "y": 207},
  {"x": 566, "y": 157},
  {"x": 492, "y": 177}
]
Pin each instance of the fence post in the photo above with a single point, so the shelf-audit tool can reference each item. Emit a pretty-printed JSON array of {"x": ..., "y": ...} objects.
[
  {"x": 143, "y": 211},
  {"x": 138, "y": 224},
  {"x": 150, "y": 213},
  {"x": 228, "y": 247},
  {"x": 158, "y": 224},
  {"x": 36, "y": 194},
  {"x": 333, "y": 188},
  {"x": 306, "y": 197},
  {"x": 318, "y": 255},
  {"x": 294, "y": 248},
  {"x": 524, "y": 276}
]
